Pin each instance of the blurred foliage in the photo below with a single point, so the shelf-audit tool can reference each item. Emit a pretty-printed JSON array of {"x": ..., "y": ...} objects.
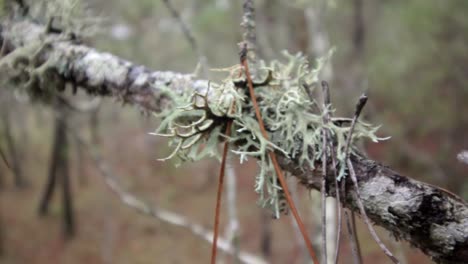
[{"x": 417, "y": 65}]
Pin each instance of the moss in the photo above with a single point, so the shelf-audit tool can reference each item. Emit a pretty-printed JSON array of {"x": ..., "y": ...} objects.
[{"x": 196, "y": 122}]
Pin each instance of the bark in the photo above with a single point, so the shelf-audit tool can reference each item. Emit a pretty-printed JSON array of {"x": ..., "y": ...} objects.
[{"x": 430, "y": 218}]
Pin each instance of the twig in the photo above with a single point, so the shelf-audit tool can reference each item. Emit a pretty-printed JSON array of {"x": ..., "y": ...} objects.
[
  {"x": 222, "y": 171},
  {"x": 364, "y": 215},
  {"x": 185, "y": 29},
  {"x": 353, "y": 236},
  {"x": 327, "y": 116},
  {"x": 349, "y": 219},
  {"x": 360, "y": 105},
  {"x": 273, "y": 157},
  {"x": 302, "y": 249},
  {"x": 326, "y": 103},
  {"x": 161, "y": 214},
  {"x": 232, "y": 232},
  {"x": 188, "y": 35},
  {"x": 4, "y": 159}
]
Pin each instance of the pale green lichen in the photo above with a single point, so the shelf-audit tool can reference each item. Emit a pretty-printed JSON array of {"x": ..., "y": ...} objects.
[
  {"x": 32, "y": 67},
  {"x": 196, "y": 123}
]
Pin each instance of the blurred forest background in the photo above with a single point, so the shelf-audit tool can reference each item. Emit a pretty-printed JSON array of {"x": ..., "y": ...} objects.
[{"x": 411, "y": 56}]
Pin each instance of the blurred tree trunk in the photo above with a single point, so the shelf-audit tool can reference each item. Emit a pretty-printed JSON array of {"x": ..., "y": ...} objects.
[
  {"x": 266, "y": 235},
  {"x": 59, "y": 172},
  {"x": 2, "y": 234},
  {"x": 13, "y": 150}
]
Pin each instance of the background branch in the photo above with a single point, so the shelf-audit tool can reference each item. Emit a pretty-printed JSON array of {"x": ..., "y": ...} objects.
[{"x": 159, "y": 213}]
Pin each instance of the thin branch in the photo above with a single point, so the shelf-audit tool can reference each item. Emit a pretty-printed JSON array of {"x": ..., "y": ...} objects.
[
  {"x": 2, "y": 154},
  {"x": 350, "y": 219},
  {"x": 188, "y": 34},
  {"x": 159, "y": 213},
  {"x": 232, "y": 232},
  {"x": 327, "y": 116},
  {"x": 326, "y": 104},
  {"x": 185, "y": 29},
  {"x": 353, "y": 236},
  {"x": 364, "y": 215},
  {"x": 302, "y": 248},
  {"x": 222, "y": 171},
  {"x": 360, "y": 105},
  {"x": 355, "y": 250}
]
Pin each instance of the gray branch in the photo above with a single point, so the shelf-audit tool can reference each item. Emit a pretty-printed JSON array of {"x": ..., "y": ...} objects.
[{"x": 430, "y": 218}]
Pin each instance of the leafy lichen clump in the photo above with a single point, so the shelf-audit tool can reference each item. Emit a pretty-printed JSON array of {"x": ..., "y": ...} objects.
[{"x": 196, "y": 122}]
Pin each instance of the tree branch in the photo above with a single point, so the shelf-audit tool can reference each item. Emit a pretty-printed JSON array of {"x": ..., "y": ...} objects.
[{"x": 430, "y": 218}]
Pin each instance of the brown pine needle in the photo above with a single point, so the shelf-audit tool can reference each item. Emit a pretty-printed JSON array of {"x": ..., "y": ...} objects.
[
  {"x": 275, "y": 162},
  {"x": 222, "y": 170}
]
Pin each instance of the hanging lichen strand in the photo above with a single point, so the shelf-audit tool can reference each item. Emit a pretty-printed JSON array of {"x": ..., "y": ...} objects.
[{"x": 195, "y": 122}]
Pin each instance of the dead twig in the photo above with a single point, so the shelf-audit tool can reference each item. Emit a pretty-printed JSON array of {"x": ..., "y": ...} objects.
[
  {"x": 222, "y": 171},
  {"x": 364, "y": 215},
  {"x": 326, "y": 104},
  {"x": 2, "y": 154},
  {"x": 360, "y": 105},
  {"x": 327, "y": 117},
  {"x": 188, "y": 35}
]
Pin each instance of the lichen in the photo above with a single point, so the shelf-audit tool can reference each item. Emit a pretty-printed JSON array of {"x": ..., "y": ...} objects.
[
  {"x": 196, "y": 122},
  {"x": 33, "y": 67}
]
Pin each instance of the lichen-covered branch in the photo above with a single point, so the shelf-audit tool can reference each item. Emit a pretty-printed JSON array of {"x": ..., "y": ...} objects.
[
  {"x": 428, "y": 217},
  {"x": 96, "y": 72}
]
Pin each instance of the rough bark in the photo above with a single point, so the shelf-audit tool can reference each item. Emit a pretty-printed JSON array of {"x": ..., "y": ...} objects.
[{"x": 430, "y": 218}]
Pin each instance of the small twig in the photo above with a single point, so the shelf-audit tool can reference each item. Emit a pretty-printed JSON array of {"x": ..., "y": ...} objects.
[
  {"x": 188, "y": 35},
  {"x": 185, "y": 29},
  {"x": 301, "y": 247},
  {"x": 352, "y": 229},
  {"x": 2, "y": 154},
  {"x": 327, "y": 100},
  {"x": 232, "y": 232},
  {"x": 326, "y": 103},
  {"x": 222, "y": 171},
  {"x": 360, "y": 105},
  {"x": 364, "y": 215},
  {"x": 356, "y": 249}
]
